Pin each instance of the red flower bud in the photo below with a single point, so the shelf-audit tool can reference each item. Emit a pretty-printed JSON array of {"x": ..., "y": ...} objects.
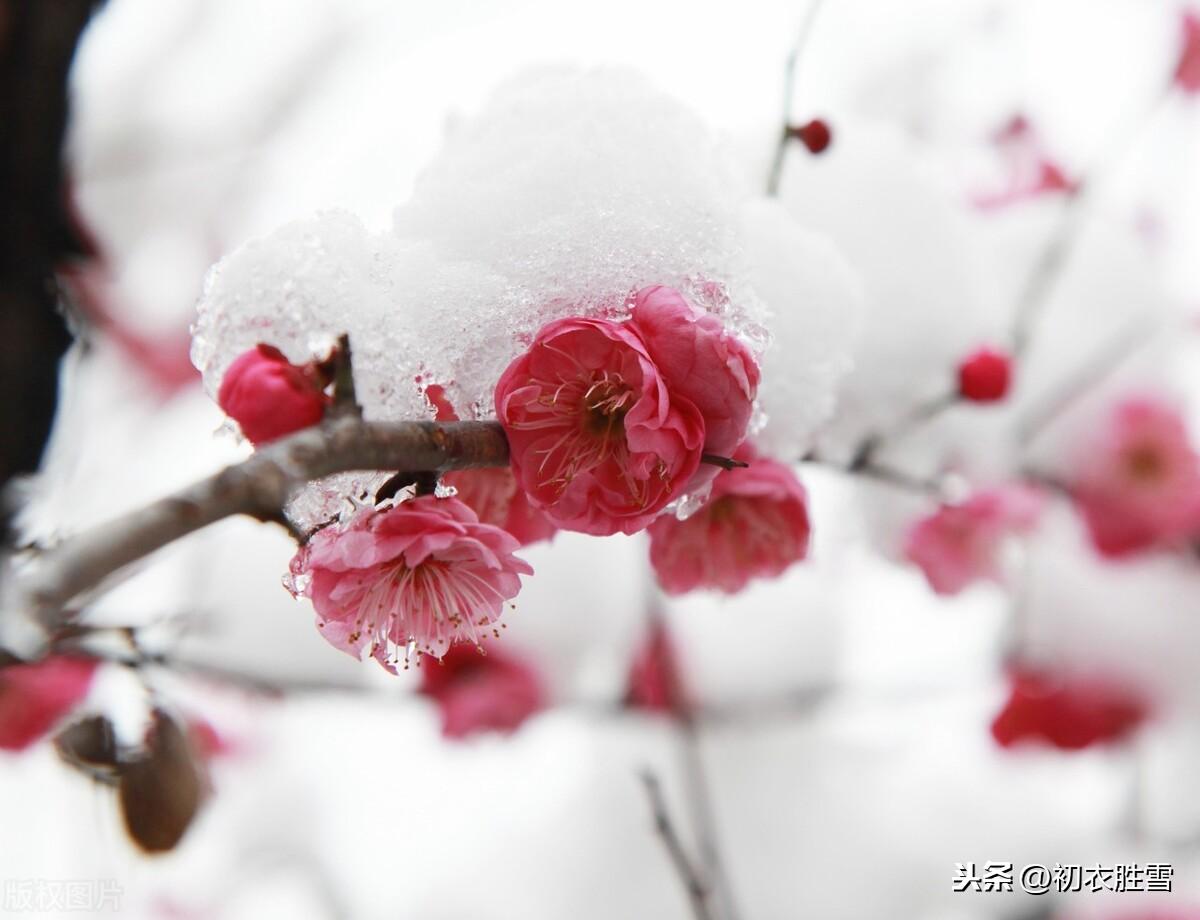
[
  {"x": 815, "y": 135},
  {"x": 985, "y": 375},
  {"x": 269, "y": 397}
]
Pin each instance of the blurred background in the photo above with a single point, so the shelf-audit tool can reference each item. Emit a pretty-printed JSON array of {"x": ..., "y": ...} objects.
[{"x": 838, "y": 754}]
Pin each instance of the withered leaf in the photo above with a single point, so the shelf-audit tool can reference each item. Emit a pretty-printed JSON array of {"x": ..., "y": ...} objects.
[{"x": 161, "y": 792}]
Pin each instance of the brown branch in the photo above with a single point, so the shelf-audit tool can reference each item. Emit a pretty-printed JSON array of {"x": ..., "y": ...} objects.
[
  {"x": 696, "y": 888},
  {"x": 259, "y": 486}
]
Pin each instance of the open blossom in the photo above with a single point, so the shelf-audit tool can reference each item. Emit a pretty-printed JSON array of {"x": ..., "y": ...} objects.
[
  {"x": 701, "y": 362},
  {"x": 35, "y": 697},
  {"x": 754, "y": 525},
  {"x": 425, "y": 572},
  {"x": 270, "y": 397},
  {"x": 961, "y": 543},
  {"x": 1137, "y": 483},
  {"x": 1068, "y": 712},
  {"x": 492, "y": 493},
  {"x": 599, "y": 441},
  {"x": 477, "y": 691}
]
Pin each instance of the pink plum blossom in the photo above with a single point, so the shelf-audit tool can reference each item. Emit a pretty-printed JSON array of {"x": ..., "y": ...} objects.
[
  {"x": 1137, "y": 483},
  {"x": 425, "y": 572},
  {"x": 754, "y": 525},
  {"x": 492, "y": 493},
  {"x": 269, "y": 397},
  {"x": 599, "y": 440},
  {"x": 960, "y": 544},
  {"x": 35, "y": 697},
  {"x": 479, "y": 691},
  {"x": 1067, "y": 712},
  {"x": 701, "y": 362}
]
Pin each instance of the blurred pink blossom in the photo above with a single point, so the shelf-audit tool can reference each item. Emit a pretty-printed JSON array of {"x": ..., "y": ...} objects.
[
  {"x": 960, "y": 543},
  {"x": 1067, "y": 712},
  {"x": 1187, "y": 70},
  {"x": 480, "y": 691},
  {"x": 1031, "y": 172},
  {"x": 425, "y": 571},
  {"x": 35, "y": 697},
  {"x": 1137, "y": 482},
  {"x": 655, "y": 682},
  {"x": 754, "y": 525}
]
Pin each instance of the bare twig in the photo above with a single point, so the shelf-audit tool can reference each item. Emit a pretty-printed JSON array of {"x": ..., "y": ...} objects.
[
  {"x": 725, "y": 463},
  {"x": 1099, "y": 366},
  {"x": 932, "y": 488},
  {"x": 789, "y": 92},
  {"x": 694, "y": 885},
  {"x": 259, "y": 486},
  {"x": 1056, "y": 253},
  {"x": 917, "y": 416}
]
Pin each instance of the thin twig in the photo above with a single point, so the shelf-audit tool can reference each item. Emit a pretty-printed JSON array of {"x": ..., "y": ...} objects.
[
  {"x": 1099, "y": 366},
  {"x": 931, "y": 488},
  {"x": 917, "y": 416},
  {"x": 259, "y": 486},
  {"x": 693, "y": 884},
  {"x": 725, "y": 463},
  {"x": 789, "y": 91},
  {"x": 699, "y": 793},
  {"x": 1055, "y": 254}
]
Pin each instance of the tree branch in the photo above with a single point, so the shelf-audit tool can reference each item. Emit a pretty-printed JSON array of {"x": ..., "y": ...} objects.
[
  {"x": 695, "y": 886},
  {"x": 259, "y": 486}
]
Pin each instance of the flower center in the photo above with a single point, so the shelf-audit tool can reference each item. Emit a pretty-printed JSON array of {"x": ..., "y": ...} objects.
[
  {"x": 604, "y": 407},
  {"x": 1145, "y": 463}
]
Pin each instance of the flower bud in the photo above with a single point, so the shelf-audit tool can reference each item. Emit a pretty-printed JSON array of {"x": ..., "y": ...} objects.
[
  {"x": 269, "y": 397},
  {"x": 985, "y": 375}
]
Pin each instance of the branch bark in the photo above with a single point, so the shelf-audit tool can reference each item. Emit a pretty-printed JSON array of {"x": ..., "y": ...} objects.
[{"x": 260, "y": 487}]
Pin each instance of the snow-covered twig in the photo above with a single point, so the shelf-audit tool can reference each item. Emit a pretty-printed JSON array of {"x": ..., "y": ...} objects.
[{"x": 259, "y": 487}]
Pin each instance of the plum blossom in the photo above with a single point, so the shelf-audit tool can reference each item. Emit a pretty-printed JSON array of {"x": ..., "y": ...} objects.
[
  {"x": 1070, "y": 713},
  {"x": 35, "y": 697},
  {"x": 1187, "y": 71},
  {"x": 1032, "y": 172},
  {"x": 607, "y": 421},
  {"x": 701, "y": 362},
  {"x": 985, "y": 375},
  {"x": 599, "y": 442},
  {"x": 492, "y": 493},
  {"x": 754, "y": 525},
  {"x": 425, "y": 572},
  {"x": 655, "y": 683},
  {"x": 479, "y": 691},
  {"x": 270, "y": 397},
  {"x": 960, "y": 544},
  {"x": 1137, "y": 483}
]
